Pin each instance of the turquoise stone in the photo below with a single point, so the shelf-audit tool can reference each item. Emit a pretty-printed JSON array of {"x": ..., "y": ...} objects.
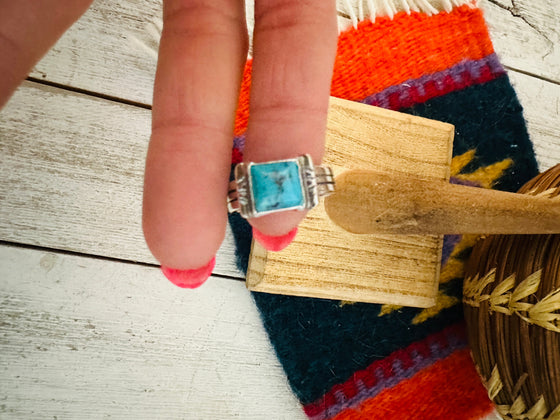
[{"x": 276, "y": 186}]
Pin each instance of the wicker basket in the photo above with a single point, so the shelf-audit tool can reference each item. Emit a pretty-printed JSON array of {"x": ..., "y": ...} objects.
[{"x": 511, "y": 298}]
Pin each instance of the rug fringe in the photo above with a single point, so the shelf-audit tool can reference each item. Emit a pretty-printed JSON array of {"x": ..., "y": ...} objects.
[{"x": 352, "y": 12}]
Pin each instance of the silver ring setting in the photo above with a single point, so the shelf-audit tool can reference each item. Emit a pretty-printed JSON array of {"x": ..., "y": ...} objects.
[{"x": 276, "y": 186}]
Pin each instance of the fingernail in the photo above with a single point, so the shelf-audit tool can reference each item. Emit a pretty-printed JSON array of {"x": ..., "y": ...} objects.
[
  {"x": 189, "y": 279},
  {"x": 274, "y": 243}
]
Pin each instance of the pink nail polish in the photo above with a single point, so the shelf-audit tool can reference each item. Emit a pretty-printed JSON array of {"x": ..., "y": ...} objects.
[
  {"x": 189, "y": 279},
  {"x": 275, "y": 243}
]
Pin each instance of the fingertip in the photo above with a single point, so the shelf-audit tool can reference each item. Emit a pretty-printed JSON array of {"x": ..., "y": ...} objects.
[
  {"x": 189, "y": 279},
  {"x": 184, "y": 209},
  {"x": 274, "y": 243},
  {"x": 184, "y": 243}
]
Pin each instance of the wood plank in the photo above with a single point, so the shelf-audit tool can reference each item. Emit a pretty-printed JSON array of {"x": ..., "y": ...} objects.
[
  {"x": 87, "y": 338},
  {"x": 541, "y": 105},
  {"x": 327, "y": 261},
  {"x": 97, "y": 54},
  {"x": 526, "y": 35},
  {"x": 72, "y": 172}
]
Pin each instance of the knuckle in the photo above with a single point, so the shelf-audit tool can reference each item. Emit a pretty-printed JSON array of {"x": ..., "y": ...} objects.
[
  {"x": 289, "y": 109},
  {"x": 282, "y": 15},
  {"x": 189, "y": 126},
  {"x": 196, "y": 17}
]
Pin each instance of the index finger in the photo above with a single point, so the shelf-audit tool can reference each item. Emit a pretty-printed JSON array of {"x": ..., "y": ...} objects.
[{"x": 202, "y": 52}]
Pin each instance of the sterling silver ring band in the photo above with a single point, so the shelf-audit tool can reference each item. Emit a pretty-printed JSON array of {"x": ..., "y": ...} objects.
[{"x": 276, "y": 186}]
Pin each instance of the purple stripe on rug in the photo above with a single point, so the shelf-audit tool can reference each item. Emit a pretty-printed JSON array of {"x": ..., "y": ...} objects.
[
  {"x": 449, "y": 242},
  {"x": 460, "y": 76},
  {"x": 466, "y": 182},
  {"x": 239, "y": 142}
]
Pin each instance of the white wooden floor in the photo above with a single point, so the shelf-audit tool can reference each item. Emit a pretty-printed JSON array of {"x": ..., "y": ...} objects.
[{"x": 89, "y": 328}]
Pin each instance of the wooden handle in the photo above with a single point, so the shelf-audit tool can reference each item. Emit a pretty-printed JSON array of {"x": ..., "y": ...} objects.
[{"x": 370, "y": 202}]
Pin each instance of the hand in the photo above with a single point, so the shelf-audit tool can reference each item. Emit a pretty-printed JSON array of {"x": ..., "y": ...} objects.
[
  {"x": 202, "y": 54},
  {"x": 28, "y": 29}
]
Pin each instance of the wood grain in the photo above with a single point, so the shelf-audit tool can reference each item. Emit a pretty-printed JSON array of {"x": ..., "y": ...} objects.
[
  {"x": 72, "y": 169},
  {"x": 326, "y": 261},
  {"x": 99, "y": 54},
  {"x": 368, "y": 202},
  {"x": 84, "y": 338},
  {"x": 44, "y": 121},
  {"x": 526, "y": 35}
]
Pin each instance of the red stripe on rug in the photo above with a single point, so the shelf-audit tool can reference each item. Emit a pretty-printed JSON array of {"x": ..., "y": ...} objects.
[
  {"x": 398, "y": 366},
  {"x": 449, "y": 389}
]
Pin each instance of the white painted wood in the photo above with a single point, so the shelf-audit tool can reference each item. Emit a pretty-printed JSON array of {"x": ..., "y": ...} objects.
[
  {"x": 82, "y": 338},
  {"x": 541, "y": 103},
  {"x": 526, "y": 35},
  {"x": 97, "y": 54},
  {"x": 72, "y": 172}
]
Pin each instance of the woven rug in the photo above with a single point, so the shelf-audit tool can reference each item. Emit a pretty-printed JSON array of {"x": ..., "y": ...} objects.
[{"x": 349, "y": 360}]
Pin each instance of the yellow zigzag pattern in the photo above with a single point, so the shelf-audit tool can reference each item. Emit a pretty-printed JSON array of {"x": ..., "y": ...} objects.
[
  {"x": 487, "y": 175},
  {"x": 454, "y": 268}
]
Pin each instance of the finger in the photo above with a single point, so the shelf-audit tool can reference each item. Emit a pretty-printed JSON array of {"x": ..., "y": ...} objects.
[
  {"x": 202, "y": 52},
  {"x": 294, "y": 50},
  {"x": 28, "y": 29}
]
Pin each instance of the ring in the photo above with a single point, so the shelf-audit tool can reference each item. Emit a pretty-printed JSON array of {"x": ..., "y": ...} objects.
[{"x": 281, "y": 185}]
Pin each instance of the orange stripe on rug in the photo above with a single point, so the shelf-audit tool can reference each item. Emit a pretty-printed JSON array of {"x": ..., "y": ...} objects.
[
  {"x": 460, "y": 397},
  {"x": 390, "y": 51},
  {"x": 242, "y": 116}
]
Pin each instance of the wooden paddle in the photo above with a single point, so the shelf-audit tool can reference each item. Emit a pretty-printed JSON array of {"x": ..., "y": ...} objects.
[{"x": 372, "y": 202}]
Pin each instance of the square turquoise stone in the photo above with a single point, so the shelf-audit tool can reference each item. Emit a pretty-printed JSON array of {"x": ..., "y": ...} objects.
[{"x": 276, "y": 186}]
